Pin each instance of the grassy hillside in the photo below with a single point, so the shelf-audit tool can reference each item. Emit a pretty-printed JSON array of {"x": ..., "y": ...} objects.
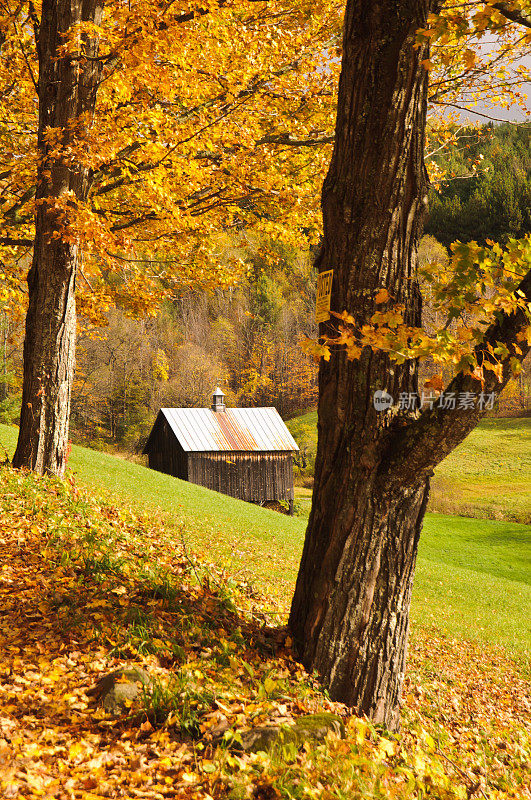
[
  {"x": 487, "y": 476},
  {"x": 472, "y": 581},
  {"x": 91, "y": 593}
]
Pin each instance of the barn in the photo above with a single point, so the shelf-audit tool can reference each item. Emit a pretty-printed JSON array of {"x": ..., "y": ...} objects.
[{"x": 243, "y": 452}]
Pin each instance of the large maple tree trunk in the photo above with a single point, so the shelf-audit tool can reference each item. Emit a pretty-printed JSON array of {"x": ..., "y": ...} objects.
[
  {"x": 67, "y": 93},
  {"x": 350, "y": 611}
]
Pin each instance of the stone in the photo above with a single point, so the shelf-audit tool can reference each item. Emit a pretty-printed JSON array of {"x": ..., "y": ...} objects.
[
  {"x": 220, "y": 727},
  {"x": 312, "y": 727},
  {"x": 119, "y": 689}
]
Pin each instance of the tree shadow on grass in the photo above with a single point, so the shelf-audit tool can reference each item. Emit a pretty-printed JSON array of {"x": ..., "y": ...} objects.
[{"x": 67, "y": 627}]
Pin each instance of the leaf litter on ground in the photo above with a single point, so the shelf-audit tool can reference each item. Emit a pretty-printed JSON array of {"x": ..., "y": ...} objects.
[{"x": 89, "y": 588}]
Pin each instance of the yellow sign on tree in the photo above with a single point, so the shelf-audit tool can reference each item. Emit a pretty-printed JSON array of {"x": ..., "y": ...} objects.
[{"x": 324, "y": 291}]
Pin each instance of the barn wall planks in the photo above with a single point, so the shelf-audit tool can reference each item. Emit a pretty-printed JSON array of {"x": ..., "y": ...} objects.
[
  {"x": 166, "y": 454},
  {"x": 255, "y": 477}
]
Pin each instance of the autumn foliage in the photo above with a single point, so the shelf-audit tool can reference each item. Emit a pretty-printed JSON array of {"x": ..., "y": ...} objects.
[
  {"x": 161, "y": 126},
  {"x": 206, "y": 119},
  {"x": 218, "y": 119},
  {"x": 89, "y": 587},
  {"x": 188, "y": 138}
]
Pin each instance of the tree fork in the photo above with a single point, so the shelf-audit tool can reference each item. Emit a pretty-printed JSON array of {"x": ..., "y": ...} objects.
[{"x": 350, "y": 611}]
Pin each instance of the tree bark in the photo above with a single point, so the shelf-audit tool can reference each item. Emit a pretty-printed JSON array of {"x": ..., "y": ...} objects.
[
  {"x": 67, "y": 93},
  {"x": 350, "y": 612},
  {"x": 349, "y": 616}
]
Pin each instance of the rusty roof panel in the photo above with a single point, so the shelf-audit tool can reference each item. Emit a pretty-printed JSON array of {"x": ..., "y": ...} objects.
[{"x": 235, "y": 429}]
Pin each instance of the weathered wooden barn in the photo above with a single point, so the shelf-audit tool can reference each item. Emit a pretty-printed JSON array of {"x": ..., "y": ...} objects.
[{"x": 244, "y": 452}]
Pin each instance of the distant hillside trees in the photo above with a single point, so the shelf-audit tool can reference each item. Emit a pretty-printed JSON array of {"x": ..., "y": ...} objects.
[
  {"x": 486, "y": 191},
  {"x": 244, "y": 337}
]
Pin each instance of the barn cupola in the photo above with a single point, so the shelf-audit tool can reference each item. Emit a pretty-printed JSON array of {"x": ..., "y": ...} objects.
[{"x": 218, "y": 400}]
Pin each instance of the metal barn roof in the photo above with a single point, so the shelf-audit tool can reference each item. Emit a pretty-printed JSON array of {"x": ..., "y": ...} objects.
[{"x": 248, "y": 429}]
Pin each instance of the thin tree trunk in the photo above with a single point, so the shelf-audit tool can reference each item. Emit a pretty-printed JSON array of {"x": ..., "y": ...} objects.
[{"x": 67, "y": 94}]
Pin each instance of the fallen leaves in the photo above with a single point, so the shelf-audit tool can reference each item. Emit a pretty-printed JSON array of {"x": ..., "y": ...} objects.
[{"x": 87, "y": 589}]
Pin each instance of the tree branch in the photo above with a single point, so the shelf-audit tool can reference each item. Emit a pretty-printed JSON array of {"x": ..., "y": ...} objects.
[
  {"x": 515, "y": 15},
  {"x": 418, "y": 447},
  {"x": 11, "y": 212},
  {"x": 285, "y": 139},
  {"x": 130, "y": 223},
  {"x": 200, "y": 12},
  {"x": 10, "y": 242},
  {"x": 473, "y": 111}
]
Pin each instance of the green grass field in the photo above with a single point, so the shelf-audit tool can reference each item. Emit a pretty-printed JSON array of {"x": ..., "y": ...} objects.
[
  {"x": 473, "y": 576},
  {"x": 487, "y": 476}
]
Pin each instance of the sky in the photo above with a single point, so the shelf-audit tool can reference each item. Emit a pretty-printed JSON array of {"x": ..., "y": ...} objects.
[{"x": 513, "y": 114}]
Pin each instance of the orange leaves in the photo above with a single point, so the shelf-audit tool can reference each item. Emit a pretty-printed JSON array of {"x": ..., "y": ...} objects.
[
  {"x": 344, "y": 317},
  {"x": 173, "y": 146},
  {"x": 464, "y": 722},
  {"x": 435, "y": 382},
  {"x": 52, "y": 653},
  {"x": 381, "y": 296},
  {"x": 473, "y": 688},
  {"x": 391, "y": 319},
  {"x": 495, "y": 367},
  {"x": 187, "y": 135},
  {"x": 469, "y": 58},
  {"x": 316, "y": 350},
  {"x": 463, "y": 70}
]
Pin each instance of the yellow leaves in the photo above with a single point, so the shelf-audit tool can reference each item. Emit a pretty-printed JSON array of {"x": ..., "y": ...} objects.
[
  {"x": 89, "y": 754},
  {"x": 496, "y": 368},
  {"x": 160, "y": 366},
  {"x": 76, "y": 750},
  {"x": 353, "y": 350},
  {"x": 387, "y": 748},
  {"x": 465, "y": 71},
  {"x": 316, "y": 350},
  {"x": 270, "y": 685},
  {"x": 429, "y": 741},
  {"x": 524, "y": 335},
  {"x": 361, "y": 728},
  {"x": 481, "y": 19},
  {"x": 464, "y": 334},
  {"x": 53, "y": 676},
  {"x": 344, "y": 317},
  {"x": 392, "y": 318},
  {"x": 515, "y": 365},
  {"x": 173, "y": 143}
]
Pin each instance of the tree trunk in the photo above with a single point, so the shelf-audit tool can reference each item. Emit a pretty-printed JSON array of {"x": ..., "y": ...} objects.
[
  {"x": 67, "y": 93},
  {"x": 351, "y": 608},
  {"x": 349, "y": 616}
]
